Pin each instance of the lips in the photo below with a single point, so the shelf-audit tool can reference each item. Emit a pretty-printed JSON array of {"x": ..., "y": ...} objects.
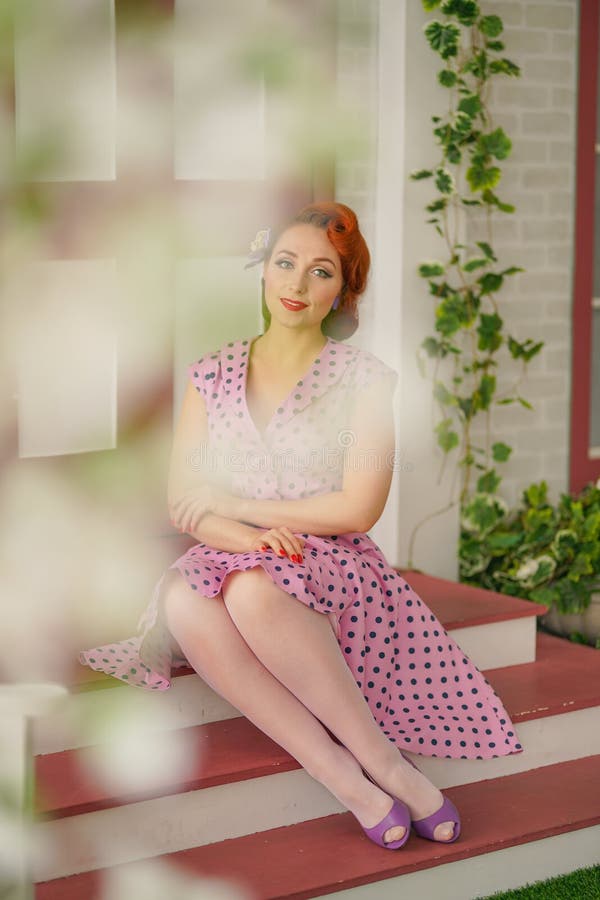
[{"x": 293, "y": 305}]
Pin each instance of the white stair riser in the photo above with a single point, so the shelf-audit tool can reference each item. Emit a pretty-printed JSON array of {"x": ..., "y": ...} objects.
[
  {"x": 498, "y": 644},
  {"x": 188, "y": 702},
  {"x": 179, "y": 822},
  {"x": 496, "y": 870},
  {"x": 192, "y": 702},
  {"x": 547, "y": 740}
]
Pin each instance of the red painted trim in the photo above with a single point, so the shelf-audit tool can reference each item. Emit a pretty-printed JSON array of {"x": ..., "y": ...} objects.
[{"x": 582, "y": 468}]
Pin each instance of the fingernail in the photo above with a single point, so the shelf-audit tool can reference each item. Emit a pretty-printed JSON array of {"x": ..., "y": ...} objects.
[
  {"x": 282, "y": 552},
  {"x": 262, "y": 548},
  {"x": 294, "y": 558}
]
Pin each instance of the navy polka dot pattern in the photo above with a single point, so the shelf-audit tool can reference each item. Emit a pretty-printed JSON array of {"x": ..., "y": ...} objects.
[{"x": 425, "y": 694}]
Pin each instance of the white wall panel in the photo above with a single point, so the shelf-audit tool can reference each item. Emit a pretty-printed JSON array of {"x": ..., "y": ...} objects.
[
  {"x": 217, "y": 300},
  {"x": 219, "y": 96},
  {"x": 67, "y": 358},
  {"x": 65, "y": 89}
]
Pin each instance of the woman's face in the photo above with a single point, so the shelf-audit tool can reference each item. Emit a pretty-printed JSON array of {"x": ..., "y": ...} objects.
[{"x": 304, "y": 268}]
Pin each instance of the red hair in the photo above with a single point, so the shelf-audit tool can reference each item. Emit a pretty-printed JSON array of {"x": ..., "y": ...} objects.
[{"x": 341, "y": 225}]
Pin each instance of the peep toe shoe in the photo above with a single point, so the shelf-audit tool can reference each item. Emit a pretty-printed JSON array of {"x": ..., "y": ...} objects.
[
  {"x": 446, "y": 813},
  {"x": 399, "y": 814}
]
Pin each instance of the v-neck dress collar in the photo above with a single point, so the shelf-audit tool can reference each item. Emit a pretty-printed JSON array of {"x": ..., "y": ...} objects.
[{"x": 324, "y": 371}]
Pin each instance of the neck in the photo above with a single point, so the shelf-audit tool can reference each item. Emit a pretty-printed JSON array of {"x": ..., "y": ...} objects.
[{"x": 289, "y": 347}]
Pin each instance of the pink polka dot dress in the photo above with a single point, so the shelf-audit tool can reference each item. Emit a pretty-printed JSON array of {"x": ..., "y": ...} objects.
[{"x": 426, "y": 695}]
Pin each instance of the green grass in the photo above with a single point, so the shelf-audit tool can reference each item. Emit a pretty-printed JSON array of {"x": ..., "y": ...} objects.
[{"x": 583, "y": 884}]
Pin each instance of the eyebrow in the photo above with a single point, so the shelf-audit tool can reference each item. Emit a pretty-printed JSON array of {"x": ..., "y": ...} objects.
[{"x": 316, "y": 259}]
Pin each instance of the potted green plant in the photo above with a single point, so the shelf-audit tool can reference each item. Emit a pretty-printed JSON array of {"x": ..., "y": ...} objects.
[{"x": 542, "y": 552}]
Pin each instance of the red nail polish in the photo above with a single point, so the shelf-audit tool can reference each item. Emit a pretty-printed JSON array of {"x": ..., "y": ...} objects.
[{"x": 262, "y": 548}]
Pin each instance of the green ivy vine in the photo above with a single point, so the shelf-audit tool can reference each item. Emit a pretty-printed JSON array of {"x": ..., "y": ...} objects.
[{"x": 469, "y": 340}]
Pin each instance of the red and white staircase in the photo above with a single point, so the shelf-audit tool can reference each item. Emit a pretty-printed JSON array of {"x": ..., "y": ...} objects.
[{"x": 186, "y": 793}]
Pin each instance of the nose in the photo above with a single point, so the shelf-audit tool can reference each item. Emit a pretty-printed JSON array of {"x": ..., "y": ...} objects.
[{"x": 298, "y": 283}]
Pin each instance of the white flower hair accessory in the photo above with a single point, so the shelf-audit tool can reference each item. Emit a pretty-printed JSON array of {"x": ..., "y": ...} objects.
[{"x": 258, "y": 247}]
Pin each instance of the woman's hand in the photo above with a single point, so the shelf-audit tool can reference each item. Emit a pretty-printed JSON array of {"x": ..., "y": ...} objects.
[{"x": 283, "y": 541}]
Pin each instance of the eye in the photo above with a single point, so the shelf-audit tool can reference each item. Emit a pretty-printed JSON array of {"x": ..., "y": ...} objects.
[
  {"x": 284, "y": 264},
  {"x": 322, "y": 273}
]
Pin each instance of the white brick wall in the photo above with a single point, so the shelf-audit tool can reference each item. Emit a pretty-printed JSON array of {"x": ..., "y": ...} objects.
[{"x": 539, "y": 113}]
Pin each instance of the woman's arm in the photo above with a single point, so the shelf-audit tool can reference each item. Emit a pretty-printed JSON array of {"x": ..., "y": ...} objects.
[
  {"x": 189, "y": 471},
  {"x": 368, "y": 472}
]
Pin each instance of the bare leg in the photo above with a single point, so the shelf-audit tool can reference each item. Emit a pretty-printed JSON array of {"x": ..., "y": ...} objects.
[
  {"x": 296, "y": 643},
  {"x": 204, "y": 631}
]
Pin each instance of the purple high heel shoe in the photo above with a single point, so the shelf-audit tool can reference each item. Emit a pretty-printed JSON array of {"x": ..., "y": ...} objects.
[
  {"x": 446, "y": 813},
  {"x": 399, "y": 814}
]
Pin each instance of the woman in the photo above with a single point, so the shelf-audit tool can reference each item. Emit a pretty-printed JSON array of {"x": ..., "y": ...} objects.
[{"x": 285, "y": 606}]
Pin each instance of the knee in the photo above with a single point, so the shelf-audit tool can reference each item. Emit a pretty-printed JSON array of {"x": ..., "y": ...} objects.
[
  {"x": 250, "y": 593},
  {"x": 179, "y": 602}
]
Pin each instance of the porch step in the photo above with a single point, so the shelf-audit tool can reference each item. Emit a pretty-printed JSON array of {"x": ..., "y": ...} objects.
[
  {"x": 516, "y": 828},
  {"x": 240, "y": 781},
  {"x": 493, "y": 630}
]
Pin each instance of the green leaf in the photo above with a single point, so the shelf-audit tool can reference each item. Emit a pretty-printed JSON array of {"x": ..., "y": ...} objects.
[
  {"x": 447, "y": 78},
  {"x": 547, "y": 595},
  {"x": 485, "y": 391},
  {"x": 512, "y": 270},
  {"x": 489, "y": 332},
  {"x": 447, "y": 438},
  {"x": 463, "y": 125},
  {"x": 491, "y": 26},
  {"x": 466, "y": 11},
  {"x": 452, "y": 313},
  {"x": 490, "y": 282},
  {"x": 489, "y": 197},
  {"x": 505, "y": 67},
  {"x": 443, "y": 395},
  {"x": 496, "y": 143},
  {"x": 475, "y": 263},
  {"x": 500, "y": 451},
  {"x": 443, "y": 38},
  {"x": 488, "y": 483},
  {"x": 536, "y": 494},
  {"x": 444, "y": 181},
  {"x": 477, "y": 65},
  {"x": 480, "y": 177},
  {"x": 496, "y": 46},
  {"x": 419, "y": 174},
  {"x": 470, "y": 105},
  {"x": 437, "y": 205},
  {"x": 453, "y": 154},
  {"x": 432, "y": 347},
  {"x": 524, "y": 403},
  {"x": 430, "y": 5},
  {"x": 431, "y": 269},
  {"x": 487, "y": 250},
  {"x": 525, "y": 350}
]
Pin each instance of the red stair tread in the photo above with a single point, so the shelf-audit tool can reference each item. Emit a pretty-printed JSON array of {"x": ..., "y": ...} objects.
[
  {"x": 227, "y": 751},
  {"x": 565, "y": 678},
  {"x": 326, "y": 855},
  {"x": 460, "y": 605},
  {"x": 456, "y": 605}
]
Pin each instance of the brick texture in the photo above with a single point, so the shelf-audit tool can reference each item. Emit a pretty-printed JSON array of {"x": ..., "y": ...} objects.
[{"x": 538, "y": 179}]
